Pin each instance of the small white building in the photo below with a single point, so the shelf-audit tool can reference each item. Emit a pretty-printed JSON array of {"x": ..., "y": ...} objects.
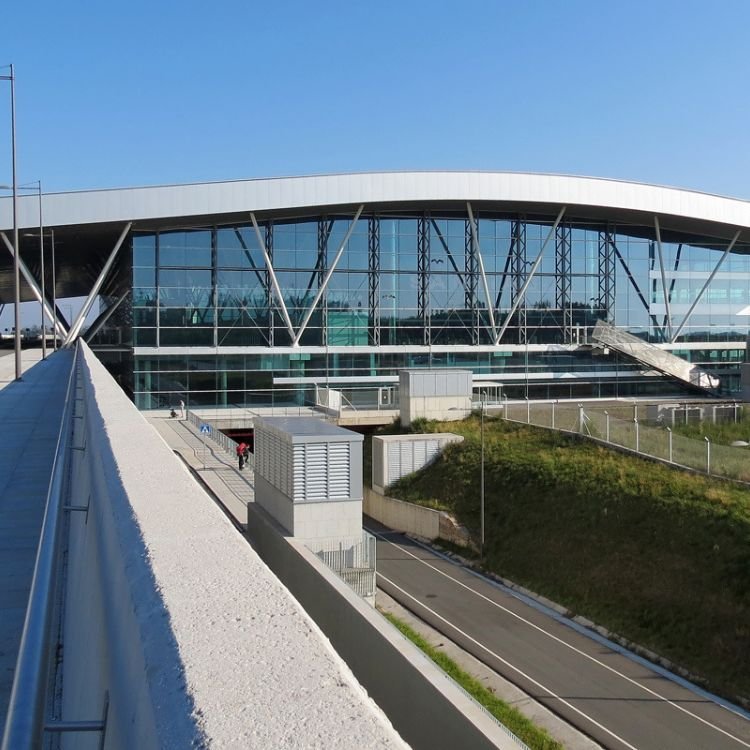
[
  {"x": 395, "y": 456},
  {"x": 434, "y": 394},
  {"x": 308, "y": 476}
]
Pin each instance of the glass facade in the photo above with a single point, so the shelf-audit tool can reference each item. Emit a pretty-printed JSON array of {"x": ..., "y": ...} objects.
[{"x": 395, "y": 291}]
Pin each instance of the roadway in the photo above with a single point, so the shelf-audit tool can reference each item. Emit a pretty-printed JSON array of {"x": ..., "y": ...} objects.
[{"x": 617, "y": 699}]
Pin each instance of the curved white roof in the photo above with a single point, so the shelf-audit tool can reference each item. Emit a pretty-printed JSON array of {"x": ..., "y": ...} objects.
[{"x": 391, "y": 188}]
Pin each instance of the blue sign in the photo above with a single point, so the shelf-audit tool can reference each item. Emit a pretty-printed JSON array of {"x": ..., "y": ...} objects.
[{"x": 205, "y": 429}]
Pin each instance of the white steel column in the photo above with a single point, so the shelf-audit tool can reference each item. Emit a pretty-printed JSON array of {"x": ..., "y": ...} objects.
[
  {"x": 663, "y": 276},
  {"x": 327, "y": 278},
  {"x": 475, "y": 240},
  {"x": 75, "y": 328},
  {"x": 534, "y": 267},
  {"x": 705, "y": 286},
  {"x": 31, "y": 281},
  {"x": 274, "y": 280}
]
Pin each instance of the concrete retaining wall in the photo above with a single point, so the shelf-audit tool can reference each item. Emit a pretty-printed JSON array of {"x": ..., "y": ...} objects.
[
  {"x": 414, "y": 519},
  {"x": 425, "y": 706}
]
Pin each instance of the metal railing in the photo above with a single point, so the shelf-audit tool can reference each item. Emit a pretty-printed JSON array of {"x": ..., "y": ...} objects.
[
  {"x": 613, "y": 426},
  {"x": 216, "y": 436},
  {"x": 353, "y": 562},
  {"x": 25, "y": 724}
]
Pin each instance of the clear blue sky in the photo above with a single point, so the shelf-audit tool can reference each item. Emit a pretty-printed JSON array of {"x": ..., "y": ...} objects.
[
  {"x": 149, "y": 92},
  {"x": 155, "y": 91}
]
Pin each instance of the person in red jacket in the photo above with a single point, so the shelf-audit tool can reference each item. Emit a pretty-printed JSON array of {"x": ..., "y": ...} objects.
[{"x": 241, "y": 448}]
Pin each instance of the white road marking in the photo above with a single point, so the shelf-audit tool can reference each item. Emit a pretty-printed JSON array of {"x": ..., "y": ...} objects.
[
  {"x": 565, "y": 643},
  {"x": 510, "y": 666}
]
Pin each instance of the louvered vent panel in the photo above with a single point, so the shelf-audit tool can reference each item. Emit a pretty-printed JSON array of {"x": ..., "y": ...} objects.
[
  {"x": 299, "y": 474},
  {"x": 315, "y": 472},
  {"x": 394, "y": 462},
  {"x": 338, "y": 471}
]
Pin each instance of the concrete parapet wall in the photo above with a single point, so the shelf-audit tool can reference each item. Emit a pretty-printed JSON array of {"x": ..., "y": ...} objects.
[
  {"x": 426, "y": 523},
  {"x": 173, "y": 613},
  {"x": 426, "y": 707}
]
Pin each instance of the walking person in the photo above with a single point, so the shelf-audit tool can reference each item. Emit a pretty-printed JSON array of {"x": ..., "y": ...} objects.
[
  {"x": 241, "y": 455},
  {"x": 182, "y": 409}
]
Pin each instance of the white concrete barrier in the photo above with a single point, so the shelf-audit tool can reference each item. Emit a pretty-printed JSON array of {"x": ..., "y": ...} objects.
[{"x": 174, "y": 614}]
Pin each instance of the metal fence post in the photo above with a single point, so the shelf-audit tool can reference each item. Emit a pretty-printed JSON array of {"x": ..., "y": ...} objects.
[
  {"x": 669, "y": 430},
  {"x": 553, "y": 415},
  {"x": 528, "y": 410},
  {"x": 606, "y": 414},
  {"x": 580, "y": 418},
  {"x": 637, "y": 436},
  {"x": 708, "y": 455}
]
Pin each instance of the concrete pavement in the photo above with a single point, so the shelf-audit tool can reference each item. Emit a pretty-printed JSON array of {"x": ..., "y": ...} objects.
[{"x": 30, "y": 414}]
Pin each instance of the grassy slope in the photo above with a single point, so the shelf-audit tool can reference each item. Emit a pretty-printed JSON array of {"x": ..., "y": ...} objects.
[{"x": 659, "y": 556}]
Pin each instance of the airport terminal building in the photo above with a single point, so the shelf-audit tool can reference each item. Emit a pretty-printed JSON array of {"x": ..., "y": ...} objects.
[{"x": 252, "y": 293}]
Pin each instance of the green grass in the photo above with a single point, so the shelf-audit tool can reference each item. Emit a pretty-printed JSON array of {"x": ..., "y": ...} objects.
[
  {"x": 723, "y": 433},
  {"x": 523, "y": 728},
  {"x": 657, "y": 555}
]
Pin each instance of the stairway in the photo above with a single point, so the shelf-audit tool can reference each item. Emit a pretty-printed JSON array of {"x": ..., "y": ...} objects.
[{"x": 607, "y": 335}]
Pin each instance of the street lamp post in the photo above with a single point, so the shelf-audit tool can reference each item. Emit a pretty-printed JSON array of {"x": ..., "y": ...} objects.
[
  {"x": 481, "y": 482},
  {"x": 41, "y": 271},
  {"x": 16, "y": 272}
]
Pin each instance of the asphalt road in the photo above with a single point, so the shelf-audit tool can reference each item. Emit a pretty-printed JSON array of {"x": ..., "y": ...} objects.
[{"x": 615, "y": 699}]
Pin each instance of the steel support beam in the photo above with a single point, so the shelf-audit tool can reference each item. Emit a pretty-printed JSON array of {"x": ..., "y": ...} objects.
[
  {"x": 532, "y": 271},
  {"x": 705, "y": 286},
  {"x": 31, "y": 281},
  {"x": 423, "y": 276},
  {"x": 470, "y": 288},
  {"x": 329, "y": 273},
  {"x": 325, "y": 227},
  {"x": 274, "y": 281},
  {"x": 75, "y": 329},
  {"x": 607, "y": 275},
  {"x": 448, "y": 252},
  {"x": 663, "y": 275},
  {"x": 104, "y": 317},
  {"x": 634, "y": 283},
  {"x": 517, "y": 254},
  {"x": 478, "y": 255},
  {"x": 269, "y": 284},
  {"x": 563, "y": 250},
  {"x": 373, "y": 279},
  {"x": 246, "y": 250}
]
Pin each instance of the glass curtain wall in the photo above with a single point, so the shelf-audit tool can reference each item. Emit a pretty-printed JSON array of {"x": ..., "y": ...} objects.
[{"x": 415, "y": 291}]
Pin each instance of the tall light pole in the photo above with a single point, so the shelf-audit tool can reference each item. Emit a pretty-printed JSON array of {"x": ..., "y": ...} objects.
[
  {"x": 16, "y": 271},
  {"x": 481, "y": 484},
  {"x": 41, "y": 272}
]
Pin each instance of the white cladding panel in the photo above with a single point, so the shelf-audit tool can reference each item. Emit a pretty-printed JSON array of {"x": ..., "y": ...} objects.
[{"x": 135, "y": 204}]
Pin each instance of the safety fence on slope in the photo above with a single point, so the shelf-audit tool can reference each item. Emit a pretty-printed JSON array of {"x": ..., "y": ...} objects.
[{"x": 621, "y": 427}]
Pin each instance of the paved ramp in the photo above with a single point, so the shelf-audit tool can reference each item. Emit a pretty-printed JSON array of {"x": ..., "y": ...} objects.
[{"x": 30, "y": 415}]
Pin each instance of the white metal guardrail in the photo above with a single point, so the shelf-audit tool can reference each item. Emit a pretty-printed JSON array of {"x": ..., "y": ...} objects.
[{"x": 25, "y": 723}]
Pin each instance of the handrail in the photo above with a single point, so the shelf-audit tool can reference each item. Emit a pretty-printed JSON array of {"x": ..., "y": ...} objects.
[{"x": 24, "y": 727}]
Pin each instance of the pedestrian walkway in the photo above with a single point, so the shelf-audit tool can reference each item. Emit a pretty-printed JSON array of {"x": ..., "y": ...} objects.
[
  {"x": 216, "y": 468},
  {"x": 30, "y": 414}
]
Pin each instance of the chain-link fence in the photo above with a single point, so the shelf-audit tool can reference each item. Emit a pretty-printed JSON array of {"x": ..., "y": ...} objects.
[{"x": 619, "y": 425}]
